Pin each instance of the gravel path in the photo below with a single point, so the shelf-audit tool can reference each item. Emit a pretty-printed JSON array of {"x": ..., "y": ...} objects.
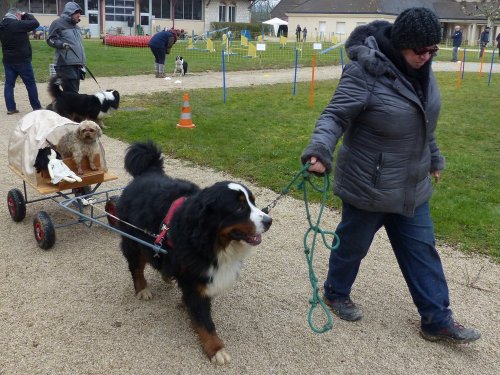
[{"x": 72, "y": 311}]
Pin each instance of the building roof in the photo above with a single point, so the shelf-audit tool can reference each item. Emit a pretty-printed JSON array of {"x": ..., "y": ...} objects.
[{"x": 445, "y": 9}]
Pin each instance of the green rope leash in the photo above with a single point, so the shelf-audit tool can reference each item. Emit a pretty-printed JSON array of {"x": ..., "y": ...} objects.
[{"x": 314, "y": 229}]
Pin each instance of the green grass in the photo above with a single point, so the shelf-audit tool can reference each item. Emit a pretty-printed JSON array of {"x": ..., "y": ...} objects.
[
  {"x": 106, "y": 61},
  {"x": 259, "y": 134}
]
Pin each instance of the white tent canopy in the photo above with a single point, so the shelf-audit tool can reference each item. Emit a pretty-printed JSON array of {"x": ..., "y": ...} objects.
[{"x": 275, "y": 22}]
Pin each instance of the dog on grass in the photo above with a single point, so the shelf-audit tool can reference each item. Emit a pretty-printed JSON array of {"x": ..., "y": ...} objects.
[
  {"x": 80, "y": 143},
  {"x": 206, "y": 233},
  {"x": 181, "y": 66},
  {"x": 78, "y": 107}
]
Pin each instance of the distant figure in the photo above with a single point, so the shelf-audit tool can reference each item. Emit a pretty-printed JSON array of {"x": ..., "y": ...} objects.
[
  {"x": 161, "y": 44},
  {"x": 304, "y": 34},
  {"x": 498, "y": 44},
  {"x": 457, "y": 42},
  {"x": 298, "y": 30},
  {"x": 16, "y": 51},
  {"x": 483, "y": 40},
  {"x": 69, "y": 55}
]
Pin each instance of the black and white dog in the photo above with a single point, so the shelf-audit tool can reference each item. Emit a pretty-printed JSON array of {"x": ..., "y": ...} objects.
[
  {"x": 206, "y": 232},
  {"x": 181, "y": 66},
  {"x": 78, "y": 107}
]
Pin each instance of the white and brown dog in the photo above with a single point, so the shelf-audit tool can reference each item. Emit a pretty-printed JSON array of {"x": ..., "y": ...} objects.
[
  {"x": 81, "y": 142},
  {"x": 181, "y": 66}
]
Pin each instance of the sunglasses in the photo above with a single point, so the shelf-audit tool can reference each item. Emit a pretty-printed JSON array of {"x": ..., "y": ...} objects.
[{"x": 422, "y": 51}]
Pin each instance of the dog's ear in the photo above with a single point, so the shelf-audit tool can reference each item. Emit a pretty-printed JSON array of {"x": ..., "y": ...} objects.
[{"x": 99, "y": 130}]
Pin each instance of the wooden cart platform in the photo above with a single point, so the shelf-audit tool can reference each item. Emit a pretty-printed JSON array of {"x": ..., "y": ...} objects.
[{"x": 45, "y": 186}]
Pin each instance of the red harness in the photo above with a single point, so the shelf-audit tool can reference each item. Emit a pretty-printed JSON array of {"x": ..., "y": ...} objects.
[{"x": 165, "y": 224}]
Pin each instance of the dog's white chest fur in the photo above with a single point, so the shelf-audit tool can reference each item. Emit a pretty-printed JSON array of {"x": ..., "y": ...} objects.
[{"x": 230, "y": 263}]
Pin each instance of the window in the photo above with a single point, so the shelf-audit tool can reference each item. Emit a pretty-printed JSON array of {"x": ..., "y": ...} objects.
[
  {"x": 93, "y": 19},
  {"x": 37, "y": 6},
  {"x": 93, "y": 5},
  {"x": 161, "y": 8},
  {"x": 119, "y": 10},
  {"x": 231, "y": 15},
  {"x": 188, "y": 10},
  {"x": 340, "y": 28},
  {"x": 144, "y": 6},
  {"x": 222, "y": 13}
]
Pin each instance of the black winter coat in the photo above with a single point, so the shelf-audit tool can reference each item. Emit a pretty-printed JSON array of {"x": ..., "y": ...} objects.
[
  {"x": 16, "y": 47},
  {"x": 388, "y": 147}
]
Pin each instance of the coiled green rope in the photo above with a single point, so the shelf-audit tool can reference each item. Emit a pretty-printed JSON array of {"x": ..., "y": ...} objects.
[{"x": 313, "y": 229}]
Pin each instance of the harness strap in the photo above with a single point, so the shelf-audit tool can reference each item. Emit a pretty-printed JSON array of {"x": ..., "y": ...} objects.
[{"x": 165, "y": 225}]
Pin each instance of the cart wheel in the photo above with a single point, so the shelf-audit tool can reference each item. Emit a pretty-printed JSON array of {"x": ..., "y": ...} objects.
[
  {"x": 111, "y": 209},
  {"x": 16, "y": 204},
  {"x": 45, "y": 234}
]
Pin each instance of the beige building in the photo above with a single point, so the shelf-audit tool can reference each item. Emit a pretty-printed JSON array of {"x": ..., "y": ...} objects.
[
  {"x": 130, "y": 17},
  {"x": 334, "y": 20}
]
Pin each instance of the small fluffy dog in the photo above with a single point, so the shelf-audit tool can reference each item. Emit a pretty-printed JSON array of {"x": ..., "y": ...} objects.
[
  {"x": 206, "y": 233},
  {"x": 80, "y": 143},
  {"x": 181, "y": 66},
  {"x": 78, "y": 107}
]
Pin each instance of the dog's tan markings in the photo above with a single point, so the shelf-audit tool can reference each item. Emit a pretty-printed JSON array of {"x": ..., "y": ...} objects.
[
  {"x": 213, "y": 346},
  {"x": 224, "y": 238},
  {"x": 202, "y": 289},
  {"x": 140, "y": 284}
]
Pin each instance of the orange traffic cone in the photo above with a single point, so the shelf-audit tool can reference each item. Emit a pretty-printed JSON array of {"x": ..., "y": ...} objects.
[{"x": 185, "y": 120}]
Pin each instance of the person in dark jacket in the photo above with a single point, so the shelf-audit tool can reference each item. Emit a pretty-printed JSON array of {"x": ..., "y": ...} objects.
[
  {"x": 498, "y": 43},
  {"x": 298, "y": 31},
  {"x": 457, "y": 42},
  {"x": 160, "y": 44},
  {"x": 484, "y": 39},
  {"x": 386, "y": 107},
  {"x": 69, "y": 56},
  {"x": 16, "y": 50}
]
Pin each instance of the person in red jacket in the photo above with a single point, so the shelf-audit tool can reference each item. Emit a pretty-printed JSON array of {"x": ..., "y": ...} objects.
[{"x": 16, "y": 49}]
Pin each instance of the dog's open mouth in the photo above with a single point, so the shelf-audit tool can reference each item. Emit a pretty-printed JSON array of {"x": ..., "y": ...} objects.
[
  {"x": 254, "y": 240},
  {"x": 251, "y": 239}
]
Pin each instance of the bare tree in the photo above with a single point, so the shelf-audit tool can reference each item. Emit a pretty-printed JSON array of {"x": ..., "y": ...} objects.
[{"x": 488, "y": 9}]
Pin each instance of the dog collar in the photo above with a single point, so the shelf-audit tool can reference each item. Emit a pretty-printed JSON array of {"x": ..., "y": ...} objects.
[{"x": 165, "y": 225}]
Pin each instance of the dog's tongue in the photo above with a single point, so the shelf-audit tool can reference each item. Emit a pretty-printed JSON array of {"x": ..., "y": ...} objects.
[{"x": 254, "y": 240}]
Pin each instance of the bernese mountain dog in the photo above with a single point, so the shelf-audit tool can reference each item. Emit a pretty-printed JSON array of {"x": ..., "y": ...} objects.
[
  {"x": 79, "y": 107},
  {"x": 207, "y": 234}
]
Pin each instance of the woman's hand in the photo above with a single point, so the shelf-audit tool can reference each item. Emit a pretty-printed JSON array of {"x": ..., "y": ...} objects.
[
  {"x": 436, "y": 175},
  {"x": 316, "y": 165}
]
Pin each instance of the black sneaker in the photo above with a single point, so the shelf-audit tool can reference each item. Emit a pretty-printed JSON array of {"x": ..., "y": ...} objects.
[
  {"x": 12, "y": 112},
  {"x": 344, "y": 308},
  {"x": 455, "y": 333}
]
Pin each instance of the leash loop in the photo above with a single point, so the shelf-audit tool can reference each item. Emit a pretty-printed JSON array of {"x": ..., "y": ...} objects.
[{"x": 330, "y": 239}]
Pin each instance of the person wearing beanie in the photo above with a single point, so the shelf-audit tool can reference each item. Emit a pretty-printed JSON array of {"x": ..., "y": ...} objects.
[
  {"x": 484, "y": 39},
  {"x": 69, "y": 56},
  {"x": 17, "y": 54},
  {"x": 385, "y": 109}
]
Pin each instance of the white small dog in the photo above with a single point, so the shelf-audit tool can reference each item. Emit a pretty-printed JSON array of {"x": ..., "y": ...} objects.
[{"x": 181, "y": 66}]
